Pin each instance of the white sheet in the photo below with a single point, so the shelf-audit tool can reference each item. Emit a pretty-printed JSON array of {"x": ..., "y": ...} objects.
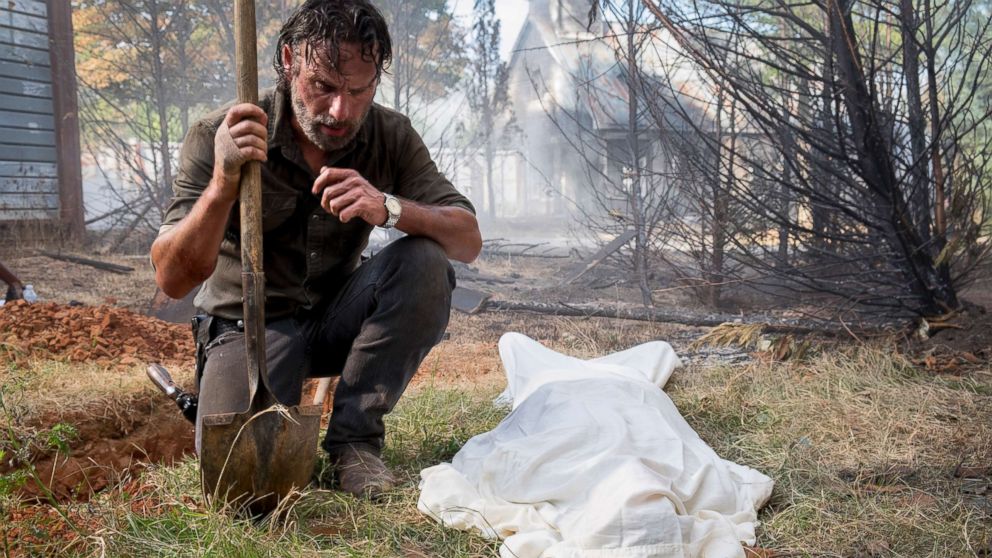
[{"x": 595, "y": 461}]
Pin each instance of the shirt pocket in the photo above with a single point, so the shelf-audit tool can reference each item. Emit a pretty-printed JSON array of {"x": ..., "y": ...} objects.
[{"x": 276, "y": 209}]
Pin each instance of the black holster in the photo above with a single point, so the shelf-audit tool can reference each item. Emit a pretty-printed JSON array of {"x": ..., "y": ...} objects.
[{"x": 201, "y": 336}]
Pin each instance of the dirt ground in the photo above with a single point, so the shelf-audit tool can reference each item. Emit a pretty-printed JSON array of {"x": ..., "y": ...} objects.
[
  {"x": 114, "y": 441},
  {"x": 88, "y": 315},
  {"x": 91, "y": 316},
  {"x": 64, "y": 282}
]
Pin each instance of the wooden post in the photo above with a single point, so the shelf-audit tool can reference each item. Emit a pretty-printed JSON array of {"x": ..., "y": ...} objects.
[{"x": 63, "y": 62}]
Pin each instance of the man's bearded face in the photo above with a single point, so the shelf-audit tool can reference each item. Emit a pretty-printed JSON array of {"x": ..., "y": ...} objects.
[{"x": 331, "y": 104}]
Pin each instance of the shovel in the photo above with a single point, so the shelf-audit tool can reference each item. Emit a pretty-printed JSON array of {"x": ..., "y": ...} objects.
[{"x": 256, "y": 459}]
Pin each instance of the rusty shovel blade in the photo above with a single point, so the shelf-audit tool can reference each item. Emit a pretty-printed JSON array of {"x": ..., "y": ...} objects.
[{"x": 254, "y": 461}]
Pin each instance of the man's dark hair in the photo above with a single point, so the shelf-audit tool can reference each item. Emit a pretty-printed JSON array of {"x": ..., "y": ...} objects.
[{"x": 322, "y": 25}]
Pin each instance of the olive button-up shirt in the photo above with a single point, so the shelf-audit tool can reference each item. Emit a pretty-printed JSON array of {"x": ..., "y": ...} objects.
[{"x": 308, "y": 253}]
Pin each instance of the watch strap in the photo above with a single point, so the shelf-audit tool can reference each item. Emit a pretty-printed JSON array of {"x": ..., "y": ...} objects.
[{"x": 391, "y": 218}]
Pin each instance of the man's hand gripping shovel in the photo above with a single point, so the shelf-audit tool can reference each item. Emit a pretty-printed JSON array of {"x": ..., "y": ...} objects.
[{"x": 256, "y": 460}]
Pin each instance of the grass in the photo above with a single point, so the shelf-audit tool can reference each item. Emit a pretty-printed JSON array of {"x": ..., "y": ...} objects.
[
  {"x": 46, "y": 385},
  {"x": 863, "y": 447},
  {"x": 161, "y": 514}
]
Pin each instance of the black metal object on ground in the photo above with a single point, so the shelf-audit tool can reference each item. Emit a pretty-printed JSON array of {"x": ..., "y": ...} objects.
[{"x": 468, "y": 300}]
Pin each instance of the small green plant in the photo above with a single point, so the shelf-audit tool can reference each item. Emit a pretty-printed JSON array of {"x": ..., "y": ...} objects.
[{"x": 17, "y": 447}]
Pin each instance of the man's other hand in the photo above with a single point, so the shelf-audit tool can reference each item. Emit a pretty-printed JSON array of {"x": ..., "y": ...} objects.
[
  {"x": 240, "y": 138},
  {"x": 346, "y": 194}
]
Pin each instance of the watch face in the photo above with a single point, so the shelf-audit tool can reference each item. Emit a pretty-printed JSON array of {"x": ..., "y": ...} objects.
[{"x": 393, "y": 205}]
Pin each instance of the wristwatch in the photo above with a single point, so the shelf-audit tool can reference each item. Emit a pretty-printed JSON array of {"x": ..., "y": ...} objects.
[{"x": 393, "y": 210}]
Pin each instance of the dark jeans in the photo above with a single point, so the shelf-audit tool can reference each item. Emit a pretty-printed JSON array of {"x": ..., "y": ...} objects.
[{"x": 374, "y": 334}]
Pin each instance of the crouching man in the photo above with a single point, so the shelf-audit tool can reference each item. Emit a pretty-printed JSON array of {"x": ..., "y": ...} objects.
[{"x": 334, "y": 166}]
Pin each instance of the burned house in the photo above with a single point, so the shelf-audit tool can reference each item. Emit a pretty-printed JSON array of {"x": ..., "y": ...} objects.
[{"x": 567, "y": 145}]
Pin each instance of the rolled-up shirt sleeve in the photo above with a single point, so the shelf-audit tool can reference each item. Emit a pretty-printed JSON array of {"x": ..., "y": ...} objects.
[{"x": 196, "y": 163}]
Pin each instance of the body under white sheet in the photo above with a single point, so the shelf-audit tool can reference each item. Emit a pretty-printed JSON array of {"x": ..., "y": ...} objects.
[{"x": 594, "y": 460}]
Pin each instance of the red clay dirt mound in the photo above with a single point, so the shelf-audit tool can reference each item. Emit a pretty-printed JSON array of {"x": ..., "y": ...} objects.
[
  {"x": 117, "y": 438},
  {"x": 102, "y": 334}
]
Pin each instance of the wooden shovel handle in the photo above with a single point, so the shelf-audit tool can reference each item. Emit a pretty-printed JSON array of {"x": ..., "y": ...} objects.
[{"x": 252, "y": 272}]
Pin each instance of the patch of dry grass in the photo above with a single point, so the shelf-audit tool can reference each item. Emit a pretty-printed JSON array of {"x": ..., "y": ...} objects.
[
  {"x": 863, "y": 445},
  {"x": 42, "y": 385},
  {"x": 161, "y": 512},
  {"x": 580, "y": 337},
  {"x": 863, "y": 448}
]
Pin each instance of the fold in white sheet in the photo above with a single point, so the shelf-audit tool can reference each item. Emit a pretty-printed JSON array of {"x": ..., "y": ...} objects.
[{"x": 595, "y": 461}]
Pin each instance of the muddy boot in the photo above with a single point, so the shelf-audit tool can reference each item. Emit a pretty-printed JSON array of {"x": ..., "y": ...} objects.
[{"x": 361, "y": 473}]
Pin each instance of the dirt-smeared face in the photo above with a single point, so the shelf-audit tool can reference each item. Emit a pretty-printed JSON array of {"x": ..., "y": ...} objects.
[{"x": 330, "y": 103}]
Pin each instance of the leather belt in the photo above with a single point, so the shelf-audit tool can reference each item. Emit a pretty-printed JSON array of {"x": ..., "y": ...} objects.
[{"x": 224, "y": 325}]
